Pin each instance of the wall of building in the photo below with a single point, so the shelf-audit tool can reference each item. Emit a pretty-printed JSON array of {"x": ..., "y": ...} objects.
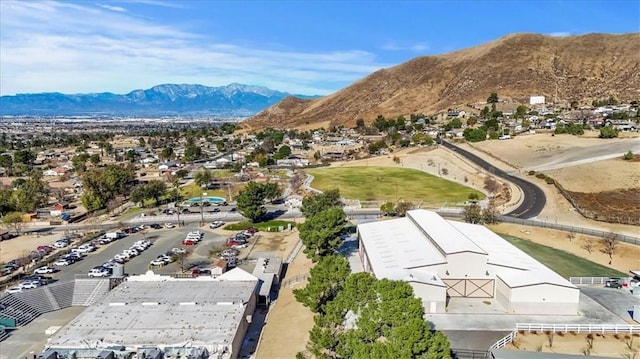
[
  {"x": 464, "y": 265},
  {"x": 545, "y": 298},
  {"x": 250, "y": 308},
  {"x": 503, "y": 294},
  {"x": 434, "y": 298}
]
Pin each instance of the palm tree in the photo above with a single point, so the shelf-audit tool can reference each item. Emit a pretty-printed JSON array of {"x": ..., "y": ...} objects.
[{"x": 203, "y": 178}]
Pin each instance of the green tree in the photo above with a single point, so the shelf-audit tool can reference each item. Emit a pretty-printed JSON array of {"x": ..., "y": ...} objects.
[
  {"x": 325, "y": 281},
  {"x": 13, "y": 219},
  {"x": 283, "y": 152},
  {"x": 24, "y": 157},
  {"x": 250, "y": 201},
  {"x": 6, "y": 162},
  {"x": 608, "y": 132},
  {"x": 203, "y": 178},
  {"x": 388, "y": 208},
  {"x": 475, "y": 134},
  {"x": 192, "y": 153},
  {"x": 316, "y": 203},
  {"x": 155, "y": 189},
  {"x": 272, "y": 191},
  {"x": 167, "y": 153},
  {"x": 29, "y": 194},
  {"x": 389, "y": 323},
  {"x": 320, "y": 233},
  {"x": 521, "y": 111},
  {"x": 493, "y": 98},
  {"x": 138, "y": 195},
  {"x": 142, "y": 142},
  {"x": 131, "y": 155},
  {"x": 94, "y": 159}
]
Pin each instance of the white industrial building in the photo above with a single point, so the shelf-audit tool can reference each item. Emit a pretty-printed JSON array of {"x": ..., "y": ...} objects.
[
  {"x": 441, "y": 258},
  {"x": 157, "y": 316}
]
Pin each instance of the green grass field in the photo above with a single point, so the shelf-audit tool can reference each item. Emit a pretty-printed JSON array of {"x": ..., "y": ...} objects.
[
  {"x": 389, "y": 184},
  {"x": 561, "y": 262},
  {"x": 193, "y": 190}
]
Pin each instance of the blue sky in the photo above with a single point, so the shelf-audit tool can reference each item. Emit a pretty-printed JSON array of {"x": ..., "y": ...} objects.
[{"x": 304, "y": 47}]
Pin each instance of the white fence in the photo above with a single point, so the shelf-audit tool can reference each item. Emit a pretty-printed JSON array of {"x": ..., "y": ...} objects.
[
  {"x": 588, "y": 280},
  {"x": 579, "y": 328},
  {"x": 504, "y": 341}
]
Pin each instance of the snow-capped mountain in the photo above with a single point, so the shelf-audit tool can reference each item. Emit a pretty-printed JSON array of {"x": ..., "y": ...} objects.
[{"x": 234, "y": 100}]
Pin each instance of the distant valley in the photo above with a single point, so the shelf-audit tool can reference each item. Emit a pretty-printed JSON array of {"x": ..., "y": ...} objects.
[{"x": 231, "y": 101}]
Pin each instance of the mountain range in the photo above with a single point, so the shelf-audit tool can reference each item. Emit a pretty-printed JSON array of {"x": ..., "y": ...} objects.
[
  {"x": 580, "y": 68},
  {"x": 231, "y": 101}
]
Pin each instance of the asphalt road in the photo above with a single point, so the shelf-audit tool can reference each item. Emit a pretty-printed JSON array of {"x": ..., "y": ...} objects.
[
  {"x": 162, "y": 241},
  {"x": 533, "y": 201}
]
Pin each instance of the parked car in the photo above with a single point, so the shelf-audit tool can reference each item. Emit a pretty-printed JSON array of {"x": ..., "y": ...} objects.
[
  {"x": 44, "y": 270},
  {"x": 155, "y": 226},
  {"x": 178, "y": 251},
  {"x": 99, "y": 272},
  {"x": 170, "y": 225},
  {"x": 62, "y": 262},
  {"x": 229, "y": 252},
  {"x": 15, "y": 289},
  {"x": 252, "y": 230},
  {"x": 189, "y": 242},
  {"x": 613, "y": 284},
  {"x": 29, "y": 284},
  {"x": 216, "y": 224}
]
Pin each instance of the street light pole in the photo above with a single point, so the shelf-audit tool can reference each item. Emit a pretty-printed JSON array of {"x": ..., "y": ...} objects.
[{"x": 202, "y": 208}]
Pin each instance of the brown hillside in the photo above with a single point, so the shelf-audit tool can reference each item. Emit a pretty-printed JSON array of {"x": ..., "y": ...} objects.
[{"x": 516, "y": 67}]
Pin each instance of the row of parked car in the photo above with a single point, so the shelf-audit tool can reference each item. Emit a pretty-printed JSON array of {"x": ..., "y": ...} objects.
[
  {"x": 240, "y": 239},
  {"x": 193, "y": 238},
  {"x": 39, "y": 253},
  {"x": 168, "y": 257},
  {"x": 30, "y": 282}
]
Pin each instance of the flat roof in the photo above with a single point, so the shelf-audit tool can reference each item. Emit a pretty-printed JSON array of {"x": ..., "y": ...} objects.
[
  {"x": 396, "y": 244},
  {"x": 266, "y": 269},
  {"x": 447, "y": 237},
  {"x": 192, "y": 312}
]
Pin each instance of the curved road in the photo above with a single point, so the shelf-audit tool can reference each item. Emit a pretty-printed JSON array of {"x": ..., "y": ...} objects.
[{"x": 533, "y": 200}]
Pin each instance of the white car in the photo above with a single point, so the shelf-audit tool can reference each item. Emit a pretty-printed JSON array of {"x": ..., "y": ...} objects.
[
  {"x": 29, "y": 284},
  {"x": 99, "y": 273},
  {"x": 61, "y": 262},
  {"x": 170, "y": 225},
  {"x": 216, "y": 224},
  {"x": 16, "y": 289},
  {"x": 44, "y": 270},
  {"x": 158, "y": 262},
  {"x": 178, "y": 250}
]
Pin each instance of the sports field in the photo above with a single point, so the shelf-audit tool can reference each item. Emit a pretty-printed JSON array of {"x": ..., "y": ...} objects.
[{"x": 389, "y": 184}]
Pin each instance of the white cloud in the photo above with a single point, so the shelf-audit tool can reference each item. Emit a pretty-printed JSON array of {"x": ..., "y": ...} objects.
[
  {"x": 113, "y": 8},
  {"x": 70, "y": 48},
  {"x": 559, "y": 34},
  {"x": 418, "y": 47}
]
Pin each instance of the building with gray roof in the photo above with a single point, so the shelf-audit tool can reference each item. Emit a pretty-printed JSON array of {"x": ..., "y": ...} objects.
[
  {"x": 202, "y": 317},
  {"x": 443, "y": 259}
]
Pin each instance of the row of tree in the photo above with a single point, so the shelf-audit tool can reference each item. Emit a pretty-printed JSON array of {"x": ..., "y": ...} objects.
[{"x": 357, "y": 315}]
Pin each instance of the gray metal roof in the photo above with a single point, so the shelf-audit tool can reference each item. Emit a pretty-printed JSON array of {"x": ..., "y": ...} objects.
[{"x": 178, "y": 312}]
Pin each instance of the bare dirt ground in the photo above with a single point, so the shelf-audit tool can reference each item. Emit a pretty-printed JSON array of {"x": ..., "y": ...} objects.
[
  {"x": 626, "y": 257},
  {"x": 610, "y": 345},
  {"x": 22, "y": 245},
  {"x": 288, "y": 323}
]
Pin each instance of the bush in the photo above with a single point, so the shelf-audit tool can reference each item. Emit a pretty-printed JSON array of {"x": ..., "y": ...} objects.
[
  {"x": 628, "y": 156},
  {"x": 608, "y": 132},
  {"x": 531, "y": 173},
  {"x": 541, "y": 175},
  {"x": 549, "y": 180}
]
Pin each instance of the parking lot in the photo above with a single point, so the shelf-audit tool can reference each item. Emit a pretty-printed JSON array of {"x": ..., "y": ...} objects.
[{"x": 162, "y": 241}]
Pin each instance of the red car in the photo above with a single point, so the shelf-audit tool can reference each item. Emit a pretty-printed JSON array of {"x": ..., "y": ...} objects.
[
  {"x": 252, "y": 230},
  {"x": 188, "y": 242}
]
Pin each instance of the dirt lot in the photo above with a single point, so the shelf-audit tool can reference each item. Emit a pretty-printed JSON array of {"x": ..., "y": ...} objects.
[
  {"x": 610, "y": 345},
  {"x": 22, "y": 245}
]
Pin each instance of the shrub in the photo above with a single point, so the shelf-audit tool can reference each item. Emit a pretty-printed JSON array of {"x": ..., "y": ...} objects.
[
  {"x": 549, "y": 180},
  {"x": 532, "y": 172},
  {"x": 541, "y": 175},
  {"x": 628, "y": 156}
]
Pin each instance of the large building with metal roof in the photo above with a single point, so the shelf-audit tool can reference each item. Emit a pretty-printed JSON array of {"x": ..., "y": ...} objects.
[
  {"x": 446, "y": 259},
  {"x": 152, "y": 315}
]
